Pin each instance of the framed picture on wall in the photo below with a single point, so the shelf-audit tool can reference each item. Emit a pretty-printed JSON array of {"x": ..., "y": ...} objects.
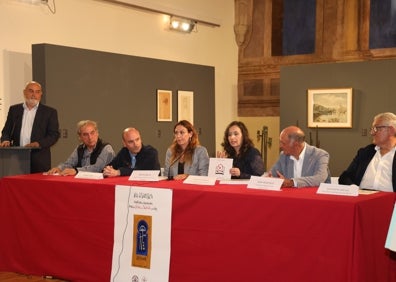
[
  {"x": 330, "y": 108},
  {"x": 164, "y": 105},
  {"x": 185, "y": 106}
]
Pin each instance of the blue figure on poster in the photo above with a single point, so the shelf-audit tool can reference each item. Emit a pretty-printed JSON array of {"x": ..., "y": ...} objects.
[{"x": 142, "y": 238}]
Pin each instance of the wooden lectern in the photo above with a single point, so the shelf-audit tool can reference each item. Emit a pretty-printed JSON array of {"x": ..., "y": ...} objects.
[{"x": 14, "y": 160}]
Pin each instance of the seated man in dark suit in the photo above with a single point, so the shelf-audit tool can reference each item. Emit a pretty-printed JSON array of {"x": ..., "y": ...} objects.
[
  {"x": 133, "y": 156},
  {"x": 32, "y": 124},
  {"x": 374, "y": 166}
]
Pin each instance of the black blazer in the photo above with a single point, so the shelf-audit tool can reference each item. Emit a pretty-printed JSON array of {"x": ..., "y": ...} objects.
[
  {"x": 45, "y": 131},
  {"x": 355, "y": 172},
  {"x": 146, "y": 159}
]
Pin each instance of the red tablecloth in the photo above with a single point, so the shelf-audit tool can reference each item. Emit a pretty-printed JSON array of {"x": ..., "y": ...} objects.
[{"x": 64, "y": 227}]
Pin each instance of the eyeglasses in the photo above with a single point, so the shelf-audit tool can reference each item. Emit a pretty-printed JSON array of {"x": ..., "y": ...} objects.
[{"x": 375, "y": 129}]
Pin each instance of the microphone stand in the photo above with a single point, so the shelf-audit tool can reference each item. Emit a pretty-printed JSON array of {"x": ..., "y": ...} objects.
[
  {"x": 13, "y": 130},
  {"x": 170, "y": 177}
]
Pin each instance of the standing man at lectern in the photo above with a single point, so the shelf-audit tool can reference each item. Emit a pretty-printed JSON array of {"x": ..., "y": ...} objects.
[{"x": 34, "y": 125}]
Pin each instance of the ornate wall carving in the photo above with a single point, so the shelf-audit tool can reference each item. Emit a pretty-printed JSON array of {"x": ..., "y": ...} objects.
[{"x": 341, "y": 34}]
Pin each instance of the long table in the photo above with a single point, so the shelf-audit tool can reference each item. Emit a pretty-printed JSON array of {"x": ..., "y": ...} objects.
[{"x": 62, "y": 226}]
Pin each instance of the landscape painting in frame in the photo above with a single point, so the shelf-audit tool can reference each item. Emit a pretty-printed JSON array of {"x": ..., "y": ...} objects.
[{"x": 330, "y": 108}]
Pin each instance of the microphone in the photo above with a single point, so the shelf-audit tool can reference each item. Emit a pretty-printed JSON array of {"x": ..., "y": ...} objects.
[
  {"x": 13, "y": 130},
  {"x": 170, "y": 177}
]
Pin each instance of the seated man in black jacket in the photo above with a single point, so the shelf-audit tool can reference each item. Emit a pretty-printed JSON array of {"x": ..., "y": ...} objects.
[
  {"x": 91, "y": 155},
  {"x": 374, "y": 166},
  {"x": 134, "y": 155}
]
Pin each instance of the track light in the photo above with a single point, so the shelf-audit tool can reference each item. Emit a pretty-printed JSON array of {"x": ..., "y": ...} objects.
[{"x": 181, "y": 24}]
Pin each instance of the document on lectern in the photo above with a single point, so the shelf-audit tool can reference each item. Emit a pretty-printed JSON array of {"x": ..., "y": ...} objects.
[
  {"x": 391, "y": 238},
  {"x": 142, "y": 230}
]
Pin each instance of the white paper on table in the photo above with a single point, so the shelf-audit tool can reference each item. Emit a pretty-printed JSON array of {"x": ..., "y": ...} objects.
[
  {"x": 367, "y": 192},
  {"x": 220, "y": 168},
  {"x": 89, "y": 175},
  {"x": 235, "y": 181},
  {"x": 145, "y": 175},
  {"x": 200, "y": 180},
  {"x": 338, "y": 189},
  {"x": 265, "y": 183}
]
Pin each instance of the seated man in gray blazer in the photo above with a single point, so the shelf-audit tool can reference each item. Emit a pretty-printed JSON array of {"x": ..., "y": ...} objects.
[
  {"x": 300, "y": 164},
  {"x": 91, "y": 155}
]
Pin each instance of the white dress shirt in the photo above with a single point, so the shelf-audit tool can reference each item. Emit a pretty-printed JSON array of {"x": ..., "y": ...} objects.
[
  {"x": 27, "y": 124},
  {"x": 378, "y": 175},
  {"x": 298, "y": 164}
]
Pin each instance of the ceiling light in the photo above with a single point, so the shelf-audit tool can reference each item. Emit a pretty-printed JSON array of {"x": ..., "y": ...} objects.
[{"x": 181, "y": 24}]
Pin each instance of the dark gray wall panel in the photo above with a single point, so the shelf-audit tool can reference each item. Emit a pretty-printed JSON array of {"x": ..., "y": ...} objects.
[
  {"x": 119, "y": 91},
  {"x": 374, "y": 87}
]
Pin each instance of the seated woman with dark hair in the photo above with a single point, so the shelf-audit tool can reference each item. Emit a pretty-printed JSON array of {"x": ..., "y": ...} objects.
[{"x": 238, "y": 146}]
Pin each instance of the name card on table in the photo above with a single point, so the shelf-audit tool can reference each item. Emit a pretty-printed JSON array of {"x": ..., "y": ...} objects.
[
  {"x": 391, "y": 238},
  {"x": 220, "y": 168},
  {"x": 235, "y": 181},
  {"x": 265, "y": 183},
  {"x": 338, "y": 189},
  {"x": 144, "y": 175},
  {"x": 89, "y": 175},
  {"x": 200, "y": 180}
]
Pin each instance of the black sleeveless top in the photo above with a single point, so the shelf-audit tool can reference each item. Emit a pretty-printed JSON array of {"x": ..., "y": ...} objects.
[{"x": 94, "y": 155}]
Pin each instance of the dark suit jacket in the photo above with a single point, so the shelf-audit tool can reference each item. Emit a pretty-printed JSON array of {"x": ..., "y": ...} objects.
[
  {"x": 355, "y": 172},
  {"x": 146, "y": 159},
  {"x": 45, "y": 131}
]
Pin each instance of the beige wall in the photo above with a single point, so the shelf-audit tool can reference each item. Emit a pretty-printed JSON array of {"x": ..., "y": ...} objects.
[
  {"x": 98, "y": 25},
  {"x": 255, "y": 124}
]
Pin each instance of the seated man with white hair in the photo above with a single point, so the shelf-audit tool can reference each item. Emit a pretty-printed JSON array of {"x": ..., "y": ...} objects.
[{"x": 374, "y": 166}]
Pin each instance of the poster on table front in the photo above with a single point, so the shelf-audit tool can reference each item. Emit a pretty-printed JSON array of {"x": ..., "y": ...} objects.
[
  {"x": 142, "y": 230},
  {"x": 390, "y": 242}
]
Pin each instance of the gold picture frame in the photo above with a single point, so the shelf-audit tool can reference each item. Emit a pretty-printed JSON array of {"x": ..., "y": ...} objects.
[
  {"x": 164, "y": 105},
  {"x": 330, "y": 108}
]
